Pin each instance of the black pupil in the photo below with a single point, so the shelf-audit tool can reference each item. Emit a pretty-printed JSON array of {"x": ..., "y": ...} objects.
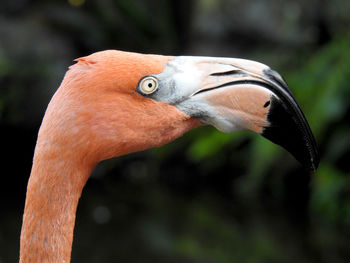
[{"x": 150, "y": 85}]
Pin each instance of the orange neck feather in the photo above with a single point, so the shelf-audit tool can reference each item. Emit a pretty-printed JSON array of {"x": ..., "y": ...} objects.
[{"x": 54, "y": 189}]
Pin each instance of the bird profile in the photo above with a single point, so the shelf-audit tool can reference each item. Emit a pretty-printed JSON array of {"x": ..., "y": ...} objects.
[{"x": 112, "y": 103}]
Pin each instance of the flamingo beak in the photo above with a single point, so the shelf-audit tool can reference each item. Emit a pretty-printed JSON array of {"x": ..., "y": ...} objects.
[{"x": 233, "y": 94}]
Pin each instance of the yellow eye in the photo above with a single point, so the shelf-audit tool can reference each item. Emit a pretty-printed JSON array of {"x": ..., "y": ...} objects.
[{"x": 149, "y": 85}]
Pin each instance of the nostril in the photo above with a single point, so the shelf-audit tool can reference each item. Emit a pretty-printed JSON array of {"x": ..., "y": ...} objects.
[{"x": 229, "y": 73}]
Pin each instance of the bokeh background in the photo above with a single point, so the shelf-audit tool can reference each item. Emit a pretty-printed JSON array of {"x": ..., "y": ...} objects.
[{"x": 208, "y": 196}]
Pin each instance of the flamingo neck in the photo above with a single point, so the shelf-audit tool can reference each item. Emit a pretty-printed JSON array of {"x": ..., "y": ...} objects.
[{"x": 53, "y": 192}]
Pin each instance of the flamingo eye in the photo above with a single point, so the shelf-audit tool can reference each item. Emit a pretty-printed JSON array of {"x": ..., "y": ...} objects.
[{"x": 148, "y": 85}]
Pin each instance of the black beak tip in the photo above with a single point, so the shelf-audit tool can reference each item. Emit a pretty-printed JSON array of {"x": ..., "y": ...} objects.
[
  {"x": 314, "y": 164},
  {"x": 289, "y": 129}
]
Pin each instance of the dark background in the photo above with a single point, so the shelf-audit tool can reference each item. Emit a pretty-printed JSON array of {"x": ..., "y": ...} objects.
[{"x": 208, "y": 196}]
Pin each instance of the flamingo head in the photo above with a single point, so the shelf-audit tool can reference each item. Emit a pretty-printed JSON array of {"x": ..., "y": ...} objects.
[{"x": 112, "y": 103}]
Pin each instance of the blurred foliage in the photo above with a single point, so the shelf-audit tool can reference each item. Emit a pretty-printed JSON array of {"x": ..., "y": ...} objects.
[{"x": 323, "y": 87}]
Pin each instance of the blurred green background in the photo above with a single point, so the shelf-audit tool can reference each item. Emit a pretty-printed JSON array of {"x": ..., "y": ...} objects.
[{"x": 208, "y": 196}]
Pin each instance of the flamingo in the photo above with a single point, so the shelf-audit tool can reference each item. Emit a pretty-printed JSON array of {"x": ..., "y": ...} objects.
[{"x": 112, "y": 103}]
